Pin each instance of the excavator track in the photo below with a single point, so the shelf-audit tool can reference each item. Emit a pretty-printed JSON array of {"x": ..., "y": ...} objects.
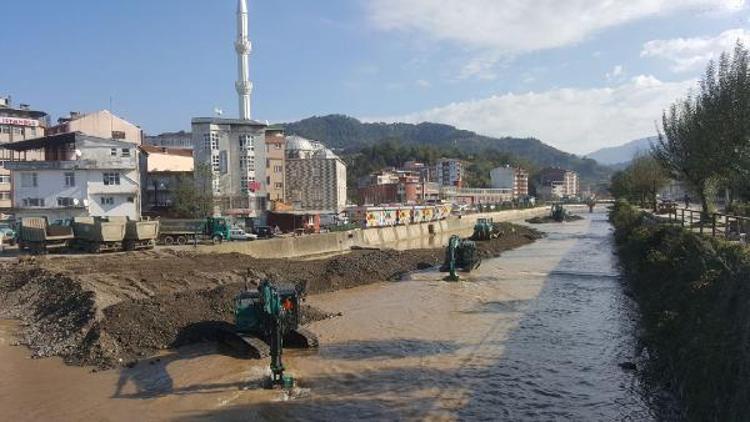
[
  {"x": 244, "y": 346},
  {"x": 301, "y": 338}
]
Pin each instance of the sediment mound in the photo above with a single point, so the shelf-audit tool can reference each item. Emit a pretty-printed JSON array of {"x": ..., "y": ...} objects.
[
  {"x": 113, "y": 309},
  {"x": 549, "y": 219}
]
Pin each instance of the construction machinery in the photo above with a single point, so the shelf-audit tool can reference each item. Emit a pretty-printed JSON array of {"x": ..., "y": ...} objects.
[
  {"x": 37, "y": 236},
  {"x": 558, "y": 213},
  {"x": 182, "y": 231},
  {"x": 460, "y": 254},
  {"x": 267, "y": 319},
  {"x": 140, "y": 235},
  {"x": 98, "y": 234},
  {"x": 484, "y": 229}
]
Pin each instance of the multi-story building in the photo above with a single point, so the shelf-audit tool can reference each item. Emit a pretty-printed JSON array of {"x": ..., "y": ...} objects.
[
  {"x": 101, "y": 124},
  {"x": 275, "y": 163},
  {"x": 80, "y": 175},
  {"x": 449, "y": 172},
  {"x": 232, "y": 153},
  {"x": 315, "y": 177},
  {"x": 391, "y": 186},
  {"x": 558, "y": 183},
  {"x": 179, "y": 139},
  {"x": 514, "y": 178},
  {"x": 474, "y": 196},
  {"x": 16, "y": 124},
  {"x": 419, "y": 169},
  {"x": 162, "y": 170}
]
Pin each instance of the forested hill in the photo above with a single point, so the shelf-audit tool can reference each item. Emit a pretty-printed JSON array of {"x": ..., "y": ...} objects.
[{"x": 349, "y": 136}]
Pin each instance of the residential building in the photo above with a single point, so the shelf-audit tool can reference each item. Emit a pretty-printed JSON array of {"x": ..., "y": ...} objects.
[
  {"x": 556, "y": 183},
  {"x": 233, "y": 154},
  {"x": 16, "y": 124},
  {"x": 179, "y": 139},
  {"x": 80, "y": 175},
  {"x": 101, "y": 124},
  {"x": 514, "y": 178},
  {"x": 315, "y": 177},
  {"x": 162, "y": 170},
  {"x": 391, "y": 186},
  {"x": 419, "y": 169},
  {"x": 474, "y": 196},
  {"x": 275, "y": 163},
  {"x": 449, "y": 172}
]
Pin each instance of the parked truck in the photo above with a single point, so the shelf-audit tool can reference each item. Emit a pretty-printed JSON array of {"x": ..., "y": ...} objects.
[
  {"x": 140, "y": 235},
  {"x": 37, "y": 236},
  {"x": 183, "y": 231},
  {"x": 98, "y": 234}
]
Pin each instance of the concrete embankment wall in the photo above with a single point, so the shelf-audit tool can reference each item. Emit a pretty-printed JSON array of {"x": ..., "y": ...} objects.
[{"x": 327, "y": 243}]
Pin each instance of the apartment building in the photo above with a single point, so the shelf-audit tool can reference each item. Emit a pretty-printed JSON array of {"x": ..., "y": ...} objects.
[
  {"x": 79, "y": 175},
  {"x": 101, "y": 124},
  {"x": 275, "y": 164}
]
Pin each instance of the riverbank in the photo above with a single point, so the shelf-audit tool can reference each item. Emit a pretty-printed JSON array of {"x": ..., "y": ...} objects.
[
  {"x": 693, "y": 293},
  {"x": 537, "y": 334},
  {"x": 108, "y": 310}
]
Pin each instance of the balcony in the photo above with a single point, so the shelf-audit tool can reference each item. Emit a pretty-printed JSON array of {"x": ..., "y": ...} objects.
[{"x": 113, "y": 164}]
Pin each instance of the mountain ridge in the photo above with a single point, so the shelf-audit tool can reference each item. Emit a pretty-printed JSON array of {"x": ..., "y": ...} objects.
[{"x": 349, "y": 135}]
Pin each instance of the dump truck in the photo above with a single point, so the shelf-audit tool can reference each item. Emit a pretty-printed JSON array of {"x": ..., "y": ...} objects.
[
  {"x": 140, "y": 235},
  {"x": 37, "y": 236},
  {"x": 183, "y": 231},
  {"x": 98, "y": 234}
]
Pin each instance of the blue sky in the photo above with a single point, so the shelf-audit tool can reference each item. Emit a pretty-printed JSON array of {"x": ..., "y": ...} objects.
[{"x": 578, "y": 74}]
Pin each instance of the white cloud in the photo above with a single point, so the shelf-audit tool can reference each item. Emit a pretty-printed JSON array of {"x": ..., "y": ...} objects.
[
  {"x": 616, "y": 72},
  {"x": 690, "y": 54},
  {"x": 575, "y": 120},
  {"x": 515, "y": 26}
]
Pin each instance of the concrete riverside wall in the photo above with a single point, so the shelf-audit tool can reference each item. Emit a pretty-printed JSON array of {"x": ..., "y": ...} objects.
[{"x": 327, "y": 243}]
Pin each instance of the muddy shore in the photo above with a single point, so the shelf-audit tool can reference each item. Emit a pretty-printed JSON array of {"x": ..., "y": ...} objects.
[{"x": 112, "y": 310}]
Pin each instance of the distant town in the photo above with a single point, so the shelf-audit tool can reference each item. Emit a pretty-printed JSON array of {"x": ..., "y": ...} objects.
[{"x": 100, "y": 165}]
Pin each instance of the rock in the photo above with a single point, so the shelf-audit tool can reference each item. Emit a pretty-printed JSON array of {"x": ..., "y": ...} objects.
[{"x": 628, "y": 366}]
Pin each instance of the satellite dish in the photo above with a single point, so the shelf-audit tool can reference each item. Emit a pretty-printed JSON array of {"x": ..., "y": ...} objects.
[
  {"x": 85, "y": 202},
  {"x": 76, "y": 202},
  {"x": 218, "y": 111},
  {"x": 78, "y": 153}
]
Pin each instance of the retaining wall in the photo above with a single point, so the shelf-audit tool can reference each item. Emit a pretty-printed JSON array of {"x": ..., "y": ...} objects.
[{"x": 327, "y": 243}]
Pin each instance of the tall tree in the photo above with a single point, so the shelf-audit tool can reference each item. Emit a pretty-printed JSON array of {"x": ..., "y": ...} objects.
[{"x": 705, "y": 138}]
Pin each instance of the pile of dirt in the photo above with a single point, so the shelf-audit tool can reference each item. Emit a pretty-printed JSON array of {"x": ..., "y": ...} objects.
[
  {"x": 114, "y": 309},
  {"x": 549, "y": 219},
  {"x": 511, "y": 236}
]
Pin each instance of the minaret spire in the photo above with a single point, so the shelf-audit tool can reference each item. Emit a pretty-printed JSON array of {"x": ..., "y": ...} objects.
[{"x": 243, "y": 48}]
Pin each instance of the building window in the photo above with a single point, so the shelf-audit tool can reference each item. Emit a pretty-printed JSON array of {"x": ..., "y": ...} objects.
[
  {"x": 33, "y": 202},
  {"x": 113, "y": 152},
  {"x": 28, "y": 180},
  {"x": 4, "y": 196},
  {"x": 64, "y": 202},
  {"x": 18, "y": 130},
  {"x": 70, "y": 180},
  {"x": 4, "y": 178},
  {"x": 268, "y": 180},
  {"x": 215, "y": 163},
  {"x": 247, "y": 142},
  {"x": 5, "y": 129},
  {"x": 126, "y": 152},
  {"x": 107, "y": 200},
  {"x": 278, "y": 169},
  {"x": 279, "y": 185},
  {"x": 111, "y": 179},
  {"x": 116, "y": 134},
  {"x": 131, "y": 199},
  {"x": 268, "y": 162},
  {"x": 277, "y": 146}
]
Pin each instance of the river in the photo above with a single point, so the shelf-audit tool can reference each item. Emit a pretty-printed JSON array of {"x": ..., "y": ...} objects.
[{"x": 537, "y": 334}]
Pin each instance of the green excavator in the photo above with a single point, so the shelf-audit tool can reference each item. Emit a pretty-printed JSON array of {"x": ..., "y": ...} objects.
[
  {"x": 460, "y": 254},
  {"x": 267, "y": 320}
]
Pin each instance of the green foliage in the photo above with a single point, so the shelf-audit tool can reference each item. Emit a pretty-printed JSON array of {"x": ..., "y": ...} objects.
[
  {"x": 351, "y": 137},
  {"x": 194, "y": 194},
  {"x": 640, "y": 181},
  {"x": 705, "y": 136},
  {"x": 693, "y": 293}
]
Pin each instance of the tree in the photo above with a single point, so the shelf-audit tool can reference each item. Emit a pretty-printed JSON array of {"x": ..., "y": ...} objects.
[
  {"x": 194, "y": 194},
  {"x": 705, "y": 138},
  {"x": 640, "y": 182}
]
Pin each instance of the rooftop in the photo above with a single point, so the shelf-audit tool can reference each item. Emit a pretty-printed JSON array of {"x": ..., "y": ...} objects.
[
  {"x": 222, "y": 121},
  {"x": 61, "y": 139},
  {"x": 149, "y": 149}
]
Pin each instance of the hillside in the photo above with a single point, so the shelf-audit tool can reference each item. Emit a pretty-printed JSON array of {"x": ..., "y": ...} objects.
[
  {"x": 349, "y": 136},
  {"x": 623, "y": 153}
]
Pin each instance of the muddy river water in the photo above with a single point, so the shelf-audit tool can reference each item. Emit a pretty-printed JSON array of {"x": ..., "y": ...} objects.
[{"x": 538, "y": 334}]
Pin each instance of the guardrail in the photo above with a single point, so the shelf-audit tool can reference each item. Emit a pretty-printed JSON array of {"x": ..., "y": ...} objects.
[{"x": 732, "y": 227}]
